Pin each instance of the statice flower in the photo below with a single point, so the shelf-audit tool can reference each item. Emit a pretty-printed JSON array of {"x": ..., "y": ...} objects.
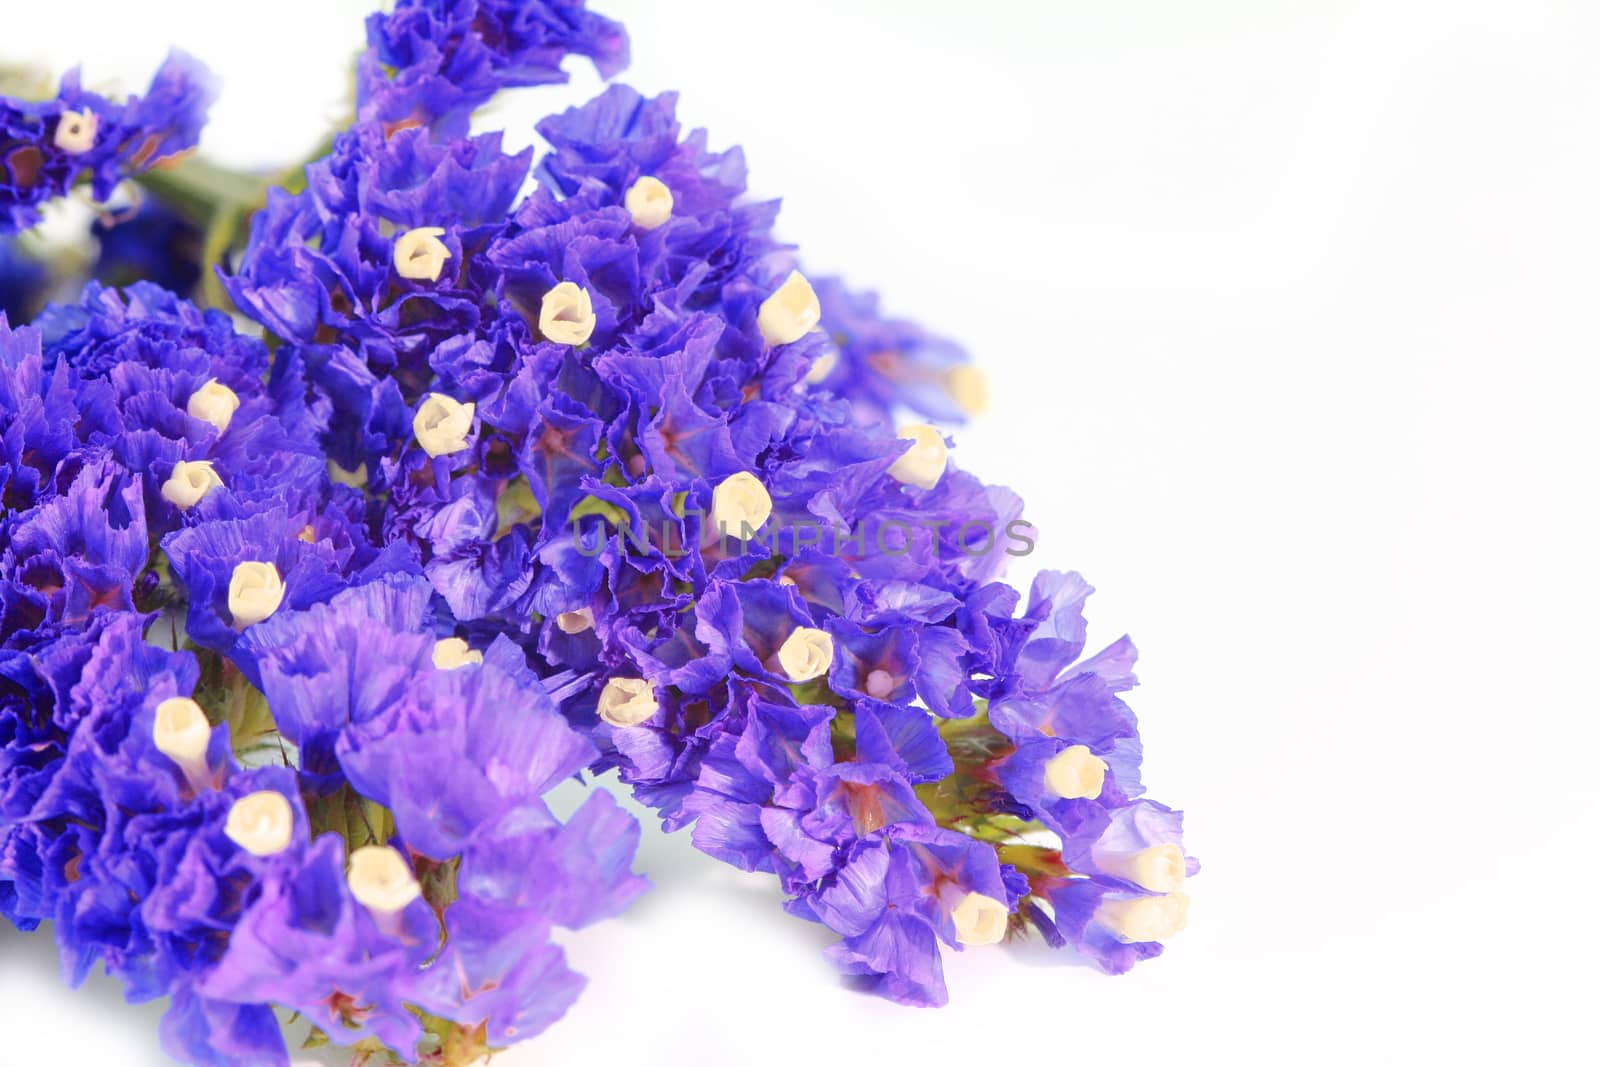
[
  {"x": 433, "y": 62},
  {"x": 622, "y": 431},
  {"x": 542, "y": 467},
  {"x": 887, "y": 365},
  {"x": 184, "y": 790},
  {"x": 453, "y": 754},
  {"x": 47, "y": 147}
]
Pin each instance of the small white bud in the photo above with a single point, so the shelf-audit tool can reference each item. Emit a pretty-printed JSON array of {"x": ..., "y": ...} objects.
[
  {"x": 1075, "y": 773},
  {"x": 381, "y": 879},
  {"x": 76, "y": 131},
  {"x": 649, "y": 201},
  {"x": 627, "y": 701},
  {"x": 740, "y": 501},
  {"x": 923, "y": 464},
  {"x": 442, "y": 424},
  {"x": 452, "y": 652},
  {"x": 575, "y": 622},
  {"x": 822, "y": 367},
  {"x": 419, "y": 254},
  {"x": 1160, "y": 868},
  {"x": 980, "y": 919},
  {"x": 880, "y": 684},
  {"x": 254, "y": 592},
  {"x": 566, "y": 315},
  {"x": 789, "y": 313},
  {"x": 968, "y": 387},
  {"x": 806, "y": 654},
  {"x": 215, "y": 403},
  {"x": 190, "y": 480},
  {"x": 262, "y": 823},
  {"x": 1144, "y": 918},
  {"x": 182, "y": 733}
]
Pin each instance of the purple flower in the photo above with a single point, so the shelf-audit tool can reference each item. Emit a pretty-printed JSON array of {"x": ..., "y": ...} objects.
[
  {"x": 1113, "y": 927},
  {"x": 47, "y": 147},
  {"x": 896, "y": 902},
  {"x": 77, "y": 553},
  {"x": 307, "y": 943},
  {"x": 559, "y": 399},
  {"x": 339, "y": 663},
  {"x": 883, "y": 365},
  {"x": 434, "y": 62}
]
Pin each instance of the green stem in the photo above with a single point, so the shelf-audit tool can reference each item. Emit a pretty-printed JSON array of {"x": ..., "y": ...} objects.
[
  {"x": 219, "y": 201},
  {"x": 198, "y": 189}
]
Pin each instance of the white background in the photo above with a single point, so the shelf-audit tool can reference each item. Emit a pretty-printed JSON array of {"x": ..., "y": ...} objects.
[{"x": 1290, "y": 309}]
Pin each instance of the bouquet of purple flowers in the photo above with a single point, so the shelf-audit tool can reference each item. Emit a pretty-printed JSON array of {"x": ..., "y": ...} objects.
[{"x": 486, "y": 483}]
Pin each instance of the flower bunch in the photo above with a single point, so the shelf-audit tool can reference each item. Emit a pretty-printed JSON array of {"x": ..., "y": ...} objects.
[
  {"x": 582, "y": 472},
  {"x": 619, "y": 427},
  {"x": 201, "y": 784},
  {"x": 47, "y": 147}
]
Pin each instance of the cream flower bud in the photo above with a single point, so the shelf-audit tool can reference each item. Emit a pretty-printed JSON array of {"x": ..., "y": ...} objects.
[
  {"x": 880, "y": 684},
  {"x": 968, "y": 387},
  {"x": 806, "y": 654},
  {"x": 649, "y": 201},
  {"x": 190, "y": 480},
  {"x": 1144, "y": 918},
  {"x": 627, "y": 701},
  {"x": 575, "y": 622},
  {"x": 789, "y": 313},
  {"x": 381, "y": 880},
  {"x": 254, "y": 592},
  {"x": 566, "y": 315},
  {"x": 740, "y": 505},
  {"x": 76, "y": 131},
  {"x": 442, "y": 424},
  {"x": 419, "y": 254},
  {"x": 823, "y": 366},
  {"x": 1075, "y": 773},
  {"x": 262, "y": 823},
  {"x": 182, "y": 733},
  {"x": 1160, "y": 868},
  {"x": 923, "y": 464},
  {"x": 452, "y": 652},
  {"x": 215, "y": 403},
  {"x": 980, "y": 919}
]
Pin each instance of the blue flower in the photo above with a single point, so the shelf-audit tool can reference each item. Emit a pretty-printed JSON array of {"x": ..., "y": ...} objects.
[
  {"x": 22, "y": 281},
  {"x": 48, "y": 146},
  {"x": 576, "y": 510},
  {"x": 434, "y": 62},
  {"x": 298, "y": 633}
]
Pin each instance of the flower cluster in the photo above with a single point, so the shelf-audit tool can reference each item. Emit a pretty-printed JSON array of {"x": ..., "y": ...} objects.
[
  {"x": 47, "y": 147},
  {"x": 576, "y": 473},
  {"x": 434, "y": 62},
  {"x": 226, "y": 712},
  {"x": 606, "y": 415}
]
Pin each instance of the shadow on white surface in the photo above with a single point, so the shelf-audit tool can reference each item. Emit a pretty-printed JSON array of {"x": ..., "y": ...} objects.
[{"x": 112, "y": 1031}]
